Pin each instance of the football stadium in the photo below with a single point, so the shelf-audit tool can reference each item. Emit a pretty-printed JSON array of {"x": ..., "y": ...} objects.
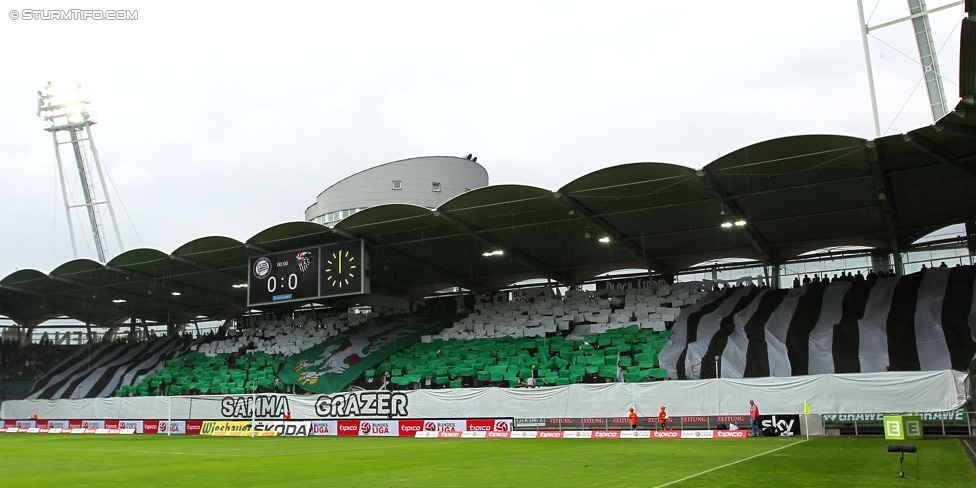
[{"x": 645, "y": 324}]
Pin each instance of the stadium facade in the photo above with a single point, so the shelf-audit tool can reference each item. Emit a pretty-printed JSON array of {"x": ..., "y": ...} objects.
[{"x": 425, "y": 181}]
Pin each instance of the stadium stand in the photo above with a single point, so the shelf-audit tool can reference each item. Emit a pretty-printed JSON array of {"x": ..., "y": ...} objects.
[
  {"x": 243, "y": 360},
  {"x": 99, "y": 370},
  {"x": 288, "y": 335},
  {"x": 650, "y": 308},
  {"x": 633, "y": 335},
  {"x": 917, "y": 322},
  {"x": 553, "y": 360},
  {"x": 583, "y": 337}
]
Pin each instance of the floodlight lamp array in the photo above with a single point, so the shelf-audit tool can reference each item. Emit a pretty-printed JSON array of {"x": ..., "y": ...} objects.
[{"x": 62, "y": 107}]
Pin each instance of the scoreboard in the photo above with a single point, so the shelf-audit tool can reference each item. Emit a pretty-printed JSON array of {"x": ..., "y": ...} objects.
[{"x": 332, "y": 270}]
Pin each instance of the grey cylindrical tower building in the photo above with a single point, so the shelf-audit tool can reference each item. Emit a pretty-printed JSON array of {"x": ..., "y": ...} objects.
[{"x": 427, "y": 181}]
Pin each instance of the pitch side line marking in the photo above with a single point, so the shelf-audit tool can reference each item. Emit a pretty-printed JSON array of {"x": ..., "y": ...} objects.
[{"x": 729, "y": 464}]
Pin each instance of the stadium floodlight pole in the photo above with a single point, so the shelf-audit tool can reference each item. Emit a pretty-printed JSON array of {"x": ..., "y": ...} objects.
[
  {"x": 64, "y": 109},
  {"x": 867, "y": 61},
  {"x": 928, "y": 55}
]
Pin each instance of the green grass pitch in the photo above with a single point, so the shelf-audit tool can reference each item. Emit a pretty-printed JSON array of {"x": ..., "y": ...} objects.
[{"x": 154, "y": 460}]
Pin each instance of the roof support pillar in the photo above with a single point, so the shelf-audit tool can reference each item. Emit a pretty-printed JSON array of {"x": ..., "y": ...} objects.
[
  {"x": 971, "y": 237},
  {"x": 876, "y": 166}
]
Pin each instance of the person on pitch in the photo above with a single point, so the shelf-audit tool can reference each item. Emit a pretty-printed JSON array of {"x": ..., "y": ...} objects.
[
  {"x": 754, "y": 418},
  {"x": 633, "y": 419},
  {"x": 662, "y": 418}
]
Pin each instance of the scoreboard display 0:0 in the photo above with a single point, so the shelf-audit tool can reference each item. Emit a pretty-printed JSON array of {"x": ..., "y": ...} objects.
[{"x": 284, "y": 276}]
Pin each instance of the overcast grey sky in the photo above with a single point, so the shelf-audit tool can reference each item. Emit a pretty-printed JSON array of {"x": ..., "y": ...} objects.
[{"x": 225, "y": 121}]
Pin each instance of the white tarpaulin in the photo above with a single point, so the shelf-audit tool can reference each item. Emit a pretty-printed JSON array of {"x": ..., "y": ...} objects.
[{"x": 914, "y": 392}]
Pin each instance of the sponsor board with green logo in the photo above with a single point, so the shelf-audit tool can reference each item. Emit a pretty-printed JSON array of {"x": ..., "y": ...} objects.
[{"x": 903, "y": 427}]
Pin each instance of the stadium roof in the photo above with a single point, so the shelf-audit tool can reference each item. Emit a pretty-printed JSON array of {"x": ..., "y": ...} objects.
[{"x": 796, "y": 194}]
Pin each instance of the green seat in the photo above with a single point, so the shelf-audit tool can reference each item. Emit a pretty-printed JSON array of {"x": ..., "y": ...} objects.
[
  {"x": 634, "y": 377},
  {"x": 657, "y": 373}
]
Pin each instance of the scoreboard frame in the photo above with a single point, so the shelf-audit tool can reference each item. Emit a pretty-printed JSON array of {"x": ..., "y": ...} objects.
[
  {"x": 309, "y": 273},
  {"x": 282, "y": 277}
]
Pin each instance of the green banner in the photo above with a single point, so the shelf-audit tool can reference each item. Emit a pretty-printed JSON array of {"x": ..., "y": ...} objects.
[
  {"x": 330, "y": 366},
  {"x": 958, "y": 415}
]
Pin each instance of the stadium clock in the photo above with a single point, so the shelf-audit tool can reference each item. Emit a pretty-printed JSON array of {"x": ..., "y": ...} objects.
[
  {"x": 284, "y": 276},
  {"x": 345, "y": 269}
]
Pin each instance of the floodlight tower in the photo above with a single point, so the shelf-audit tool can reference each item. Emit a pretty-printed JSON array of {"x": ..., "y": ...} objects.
[
  {"x": 65, "y": 114},
  {"x": 927, "y": 56}
]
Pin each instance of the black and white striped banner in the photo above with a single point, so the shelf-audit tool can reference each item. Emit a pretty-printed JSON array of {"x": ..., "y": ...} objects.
[
  {"x": 98, "y": 370},
  {"x": 924, "y": 321}
]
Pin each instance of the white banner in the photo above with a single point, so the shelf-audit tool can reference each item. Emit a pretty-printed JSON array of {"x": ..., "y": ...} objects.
[{"x": 892, "y": 392}]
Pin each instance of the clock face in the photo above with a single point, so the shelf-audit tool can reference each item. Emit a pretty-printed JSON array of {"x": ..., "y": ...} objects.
[
  {"x": 344, "y": 269},
  {"x": 341, "y": 268}
]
